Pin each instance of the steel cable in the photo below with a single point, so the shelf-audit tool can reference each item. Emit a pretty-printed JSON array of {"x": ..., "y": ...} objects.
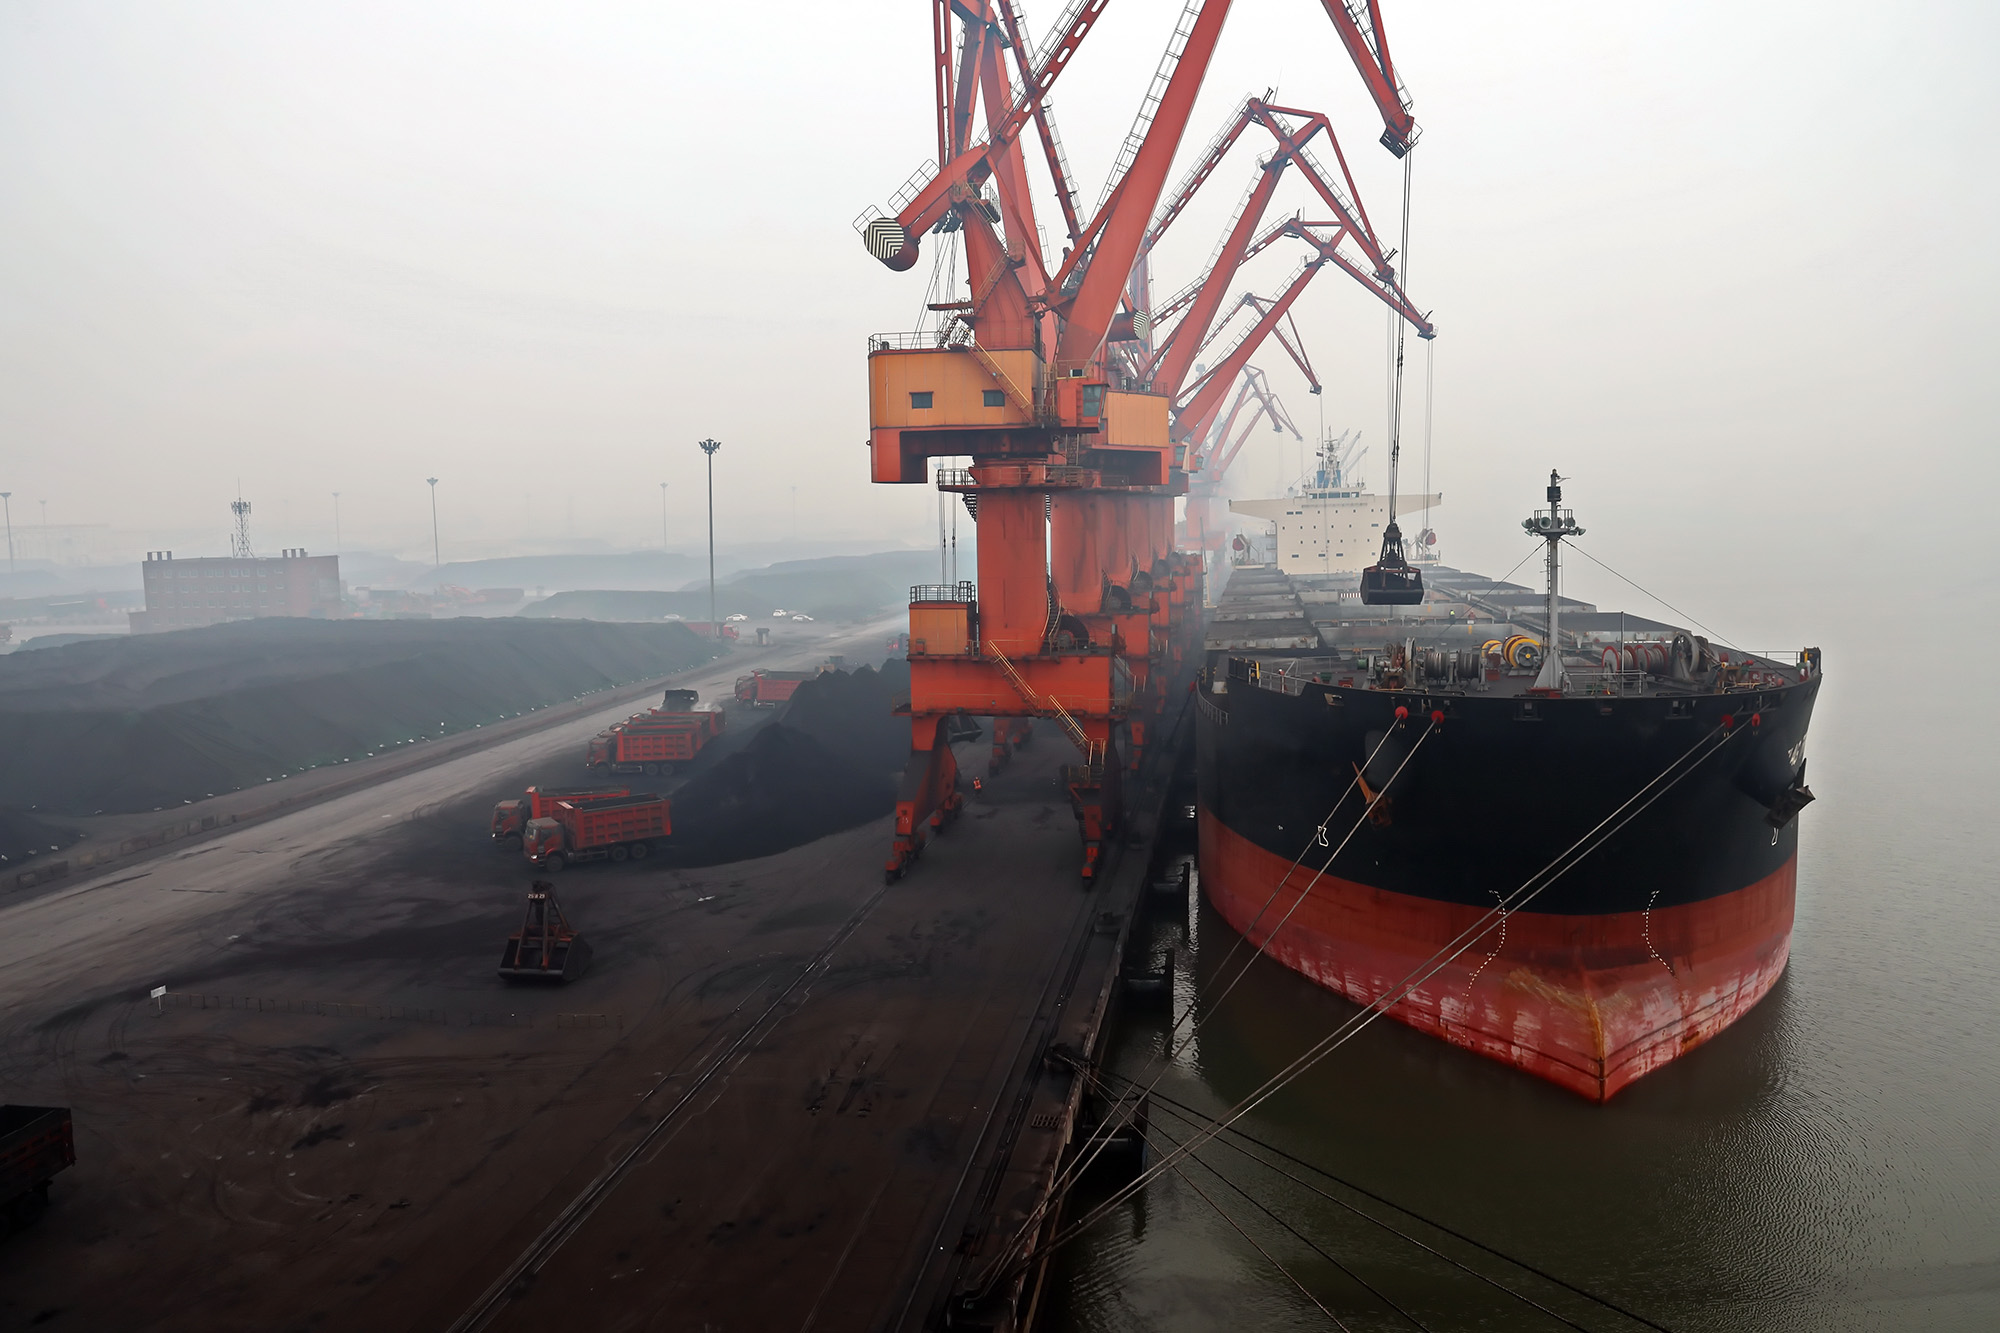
[
  {"x": 1269, "y": 1258},
  {"x": 1560, "y": 865},
  {"x": 1298, "y": 1235},
  {"x": 1067, "y": 1178},
  {"x": 1649, "y": 593},
  {"x": 1194, "y": 1117}
]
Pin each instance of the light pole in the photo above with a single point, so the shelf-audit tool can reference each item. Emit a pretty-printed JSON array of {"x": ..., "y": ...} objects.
[
  {"x": 709, "y": 447},
  {"x": 665, "y": 544},
  {"x": 437, "y": 560},
  {"x": 336, "y": 522},
  {"x": 7, "y": 499}
]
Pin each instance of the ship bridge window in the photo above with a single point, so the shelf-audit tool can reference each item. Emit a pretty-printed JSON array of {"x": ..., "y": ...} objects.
[{"x": 922, "y": 399}]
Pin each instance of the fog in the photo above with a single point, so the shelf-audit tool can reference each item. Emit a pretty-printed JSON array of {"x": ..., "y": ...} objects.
[{"x": 1727, "y": 267}]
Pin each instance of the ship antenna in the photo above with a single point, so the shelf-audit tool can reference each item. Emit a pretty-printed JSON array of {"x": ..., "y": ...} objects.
[{"x": 1552, "y": 525}]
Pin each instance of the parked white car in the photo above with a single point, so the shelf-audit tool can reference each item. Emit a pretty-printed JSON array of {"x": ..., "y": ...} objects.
[
  {"x": 779, "y": 614},
  {"x": 801, "y": 616}
]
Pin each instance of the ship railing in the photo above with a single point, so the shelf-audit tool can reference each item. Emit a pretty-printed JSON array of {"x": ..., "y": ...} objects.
[
  {"x": 962, "y": 591},
  {"x": 1586, "y": 680},
  {"x": 950, "y": 334}
]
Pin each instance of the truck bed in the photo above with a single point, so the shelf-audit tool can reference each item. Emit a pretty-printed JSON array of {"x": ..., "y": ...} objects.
[{"x": 35, "y": 1143}]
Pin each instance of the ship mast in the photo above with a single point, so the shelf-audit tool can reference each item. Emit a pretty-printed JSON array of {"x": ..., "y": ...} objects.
[{"x": 1552, "y": 525}]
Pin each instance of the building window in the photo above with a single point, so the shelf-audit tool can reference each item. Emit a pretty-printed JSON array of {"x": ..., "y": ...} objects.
[
  {"x": 919, "y": 400},
  {"x": 993, "y": 398}
]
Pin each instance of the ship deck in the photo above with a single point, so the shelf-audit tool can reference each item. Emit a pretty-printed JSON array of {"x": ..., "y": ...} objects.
[{"x": 1305, "y": 628}]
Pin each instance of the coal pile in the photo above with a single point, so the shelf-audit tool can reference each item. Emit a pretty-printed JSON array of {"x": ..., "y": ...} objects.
[
  {"x": 853, "y": 714},
  {"x": 829, "y": 762},
  {"x": 782, "y": 789},
  {"x": 151, "y": 721}
]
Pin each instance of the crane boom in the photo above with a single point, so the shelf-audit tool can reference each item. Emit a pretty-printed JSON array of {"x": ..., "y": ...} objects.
[
  {"x": 1360, "y": 27},
  {"x": 893, "y": 238},
  {"x": 1129, "y": 204},
  {"x": 1044, "y": 114}
]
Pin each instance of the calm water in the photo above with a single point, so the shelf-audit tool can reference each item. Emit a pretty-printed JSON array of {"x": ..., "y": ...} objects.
[{"x": 1830, "y": 1163}]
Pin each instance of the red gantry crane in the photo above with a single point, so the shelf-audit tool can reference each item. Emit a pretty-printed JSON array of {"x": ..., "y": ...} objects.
[{"x": 1081, "y": 598}]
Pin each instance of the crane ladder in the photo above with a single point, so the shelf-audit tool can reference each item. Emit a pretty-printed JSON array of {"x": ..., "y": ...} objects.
[
  {"x": 1093, "y": 751},
  {"x": 1150, "y": 106}
]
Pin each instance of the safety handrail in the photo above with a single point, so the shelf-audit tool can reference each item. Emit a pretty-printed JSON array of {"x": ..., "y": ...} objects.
[{"x": 1093, "y": 751}]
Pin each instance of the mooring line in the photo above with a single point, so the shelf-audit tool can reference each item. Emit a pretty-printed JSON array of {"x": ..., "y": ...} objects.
[{"x": 1557, "y": 867}]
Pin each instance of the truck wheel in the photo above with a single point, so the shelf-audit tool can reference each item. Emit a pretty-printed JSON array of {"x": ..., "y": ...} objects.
[
  {"x": 652, "y": 770},
  {"x": 640, "y": 851},
  {"x": 619, "y": 853},
  {"x": 554, "y": 862}
]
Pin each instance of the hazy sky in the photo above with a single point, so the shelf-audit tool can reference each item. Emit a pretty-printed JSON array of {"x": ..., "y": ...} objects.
[{"x": 1730, "y": 267}]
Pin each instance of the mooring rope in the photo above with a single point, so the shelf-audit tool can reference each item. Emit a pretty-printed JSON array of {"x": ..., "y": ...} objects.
[
  {"x": 1067, "y": 1177},
  {"x": 1347, "y": 1030}
]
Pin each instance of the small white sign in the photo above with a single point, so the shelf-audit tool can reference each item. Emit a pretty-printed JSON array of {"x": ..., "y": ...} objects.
[{"x": 158, "y": 991}]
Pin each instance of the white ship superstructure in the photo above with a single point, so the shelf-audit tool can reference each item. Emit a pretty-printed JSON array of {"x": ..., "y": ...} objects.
[{"x": 1329, "y": 525}]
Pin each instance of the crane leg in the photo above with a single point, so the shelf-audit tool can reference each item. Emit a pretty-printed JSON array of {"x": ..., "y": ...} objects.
[
  {"x": 1009, "y": 734},
  {"x": 929, "y": 798},
  {"x": 1095, "y": 799}
]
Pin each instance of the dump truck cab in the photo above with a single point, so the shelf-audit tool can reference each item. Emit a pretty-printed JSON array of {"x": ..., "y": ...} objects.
[
  {"x": 599, "y": 751},
  {"x": 542, "y": 842},
  {"x": 679, "y": 701},
  {"x": 509, "y": 817}
]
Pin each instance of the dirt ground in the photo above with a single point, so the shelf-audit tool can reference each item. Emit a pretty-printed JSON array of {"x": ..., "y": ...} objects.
[{"x": 340, "y": 1118}]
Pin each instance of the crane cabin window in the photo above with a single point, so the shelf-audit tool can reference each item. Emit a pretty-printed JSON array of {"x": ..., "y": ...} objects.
[
  {"x": 922, "y": 399},
  {"x": 993, "y": 398}
]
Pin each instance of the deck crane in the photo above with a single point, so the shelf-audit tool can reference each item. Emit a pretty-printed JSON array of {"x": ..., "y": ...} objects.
[{"x": 1063, "y": 621}]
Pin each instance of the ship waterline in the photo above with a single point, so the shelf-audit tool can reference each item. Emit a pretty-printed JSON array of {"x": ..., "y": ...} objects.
[
  {"x": 1589, "y": 1002},
  {"x": 1579, "y": 862}
]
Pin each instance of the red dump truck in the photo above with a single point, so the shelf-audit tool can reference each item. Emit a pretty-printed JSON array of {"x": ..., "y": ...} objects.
[
  {"x": 654, "y": 742},
  {"x": 511, "y": 817},
  {"x": 768, "y": 689},
  {"x": 601, "y": 831},
  {"x": 35, "y": 1143}
]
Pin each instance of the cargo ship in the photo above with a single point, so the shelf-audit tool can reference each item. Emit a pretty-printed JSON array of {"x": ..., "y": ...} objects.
[{"x": 1561, "y": 837}]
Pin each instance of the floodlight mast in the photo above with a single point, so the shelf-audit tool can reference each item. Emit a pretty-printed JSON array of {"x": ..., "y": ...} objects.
[
  {"x": 437, "y": 559},
  {"x": 714, "y": 627}
]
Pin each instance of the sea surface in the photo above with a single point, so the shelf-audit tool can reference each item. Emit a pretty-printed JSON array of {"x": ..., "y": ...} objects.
[{"x": 1830, "y": 1163}]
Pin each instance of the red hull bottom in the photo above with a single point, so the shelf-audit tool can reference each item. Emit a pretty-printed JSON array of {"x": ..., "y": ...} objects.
[{"x": 1590, "y": 1002}]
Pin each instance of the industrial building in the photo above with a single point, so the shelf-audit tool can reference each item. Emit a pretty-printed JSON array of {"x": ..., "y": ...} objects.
[{"x": 184, "y": 594}]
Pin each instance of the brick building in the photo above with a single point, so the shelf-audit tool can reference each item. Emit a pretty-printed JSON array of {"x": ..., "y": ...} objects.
[{"x": 182, "y": 594}]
